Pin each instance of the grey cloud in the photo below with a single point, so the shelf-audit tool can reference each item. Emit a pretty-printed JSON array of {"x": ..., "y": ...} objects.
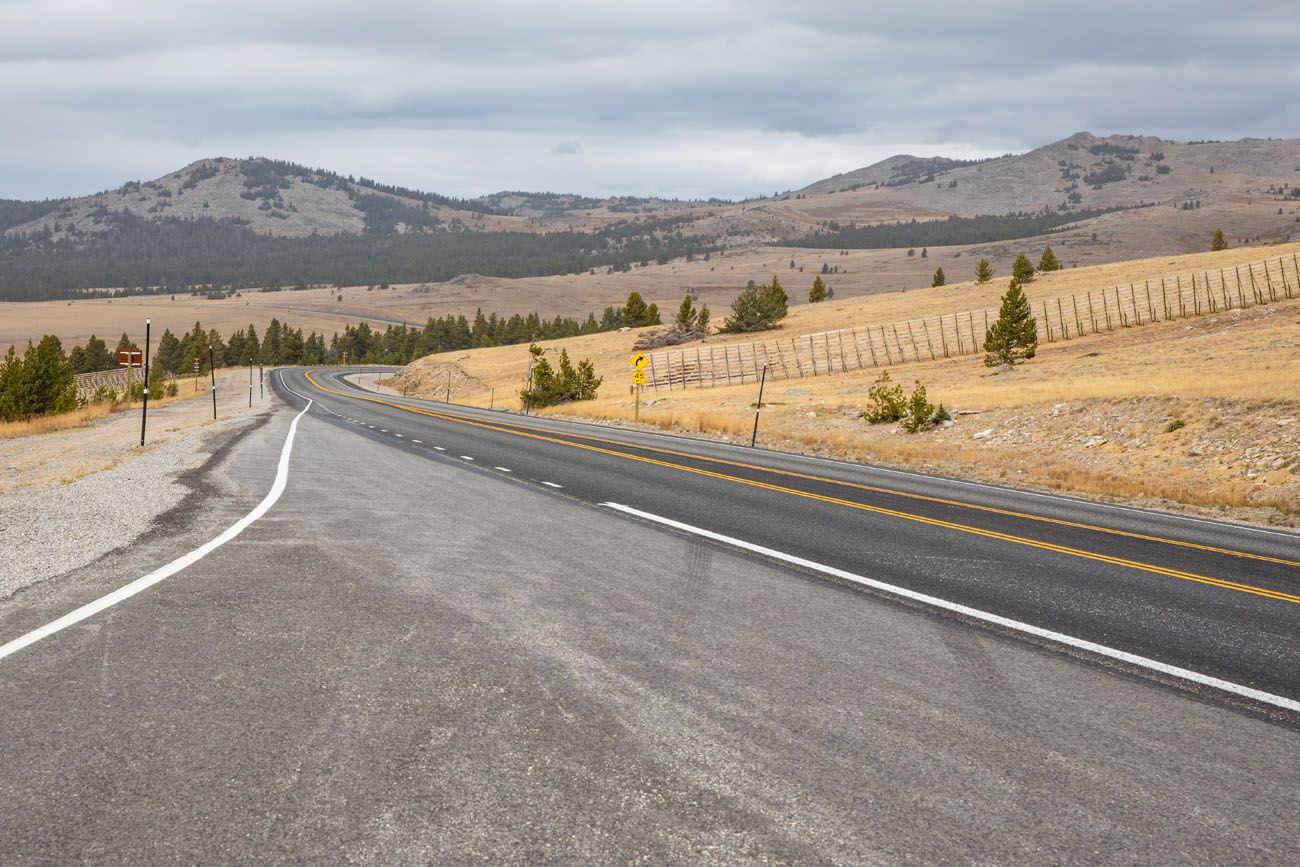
[{"x": 760, "y": 92}]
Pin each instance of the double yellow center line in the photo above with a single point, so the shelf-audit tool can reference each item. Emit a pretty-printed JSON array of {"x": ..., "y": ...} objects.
[{"x": 540, "y": 434}]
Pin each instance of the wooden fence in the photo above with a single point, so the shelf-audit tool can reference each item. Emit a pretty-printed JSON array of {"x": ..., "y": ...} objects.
[
  {"x": 114, "y": 380},
  {"x": 949, "y": 335}
]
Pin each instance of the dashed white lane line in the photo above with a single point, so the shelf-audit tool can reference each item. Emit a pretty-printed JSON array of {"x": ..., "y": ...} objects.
[
  {"x": 502, "y": 469},
  {"x": 383, "y": 430},
  {"x": 397, "y": 435},
  {"x": 163, "y": 572},
  {"x": 552, "y": 485},
  {"x": 466, "y": 458},
  {"x": 975, "y": 613},
  {"x": 415, "y": 441},
  {"x": 439, "y": 448}
]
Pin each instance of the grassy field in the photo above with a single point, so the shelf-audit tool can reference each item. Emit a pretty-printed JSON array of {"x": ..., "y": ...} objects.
[{"x": 1087, "y": 415}]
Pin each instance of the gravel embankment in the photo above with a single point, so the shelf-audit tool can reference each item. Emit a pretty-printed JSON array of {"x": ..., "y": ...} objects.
[{"x": 70, "y": 497}]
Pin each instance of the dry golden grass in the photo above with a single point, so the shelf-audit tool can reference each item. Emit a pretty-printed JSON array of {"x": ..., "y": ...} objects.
[
  {"x": 50, "y": 423},
  {"x": 90, "y": 413},
  {"x": 1234, "y": 377}
]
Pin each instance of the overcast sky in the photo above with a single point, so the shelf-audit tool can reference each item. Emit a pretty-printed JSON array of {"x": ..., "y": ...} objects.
[{"x": 667, "y": 97}]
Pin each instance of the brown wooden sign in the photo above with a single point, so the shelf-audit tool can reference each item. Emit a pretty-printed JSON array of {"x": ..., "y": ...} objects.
[{"x": 130, "y": 358}]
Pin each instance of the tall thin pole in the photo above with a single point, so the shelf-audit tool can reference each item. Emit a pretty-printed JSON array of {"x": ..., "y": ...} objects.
[
  {"x": 250, "y": 383},
  {"x": 449, "y": 386},
  {"x": 212, "y": 370},
  {"x": 758, "y": 407},
  {"x": 144, "y": 408},
  {"x": 261, "y": 381}
]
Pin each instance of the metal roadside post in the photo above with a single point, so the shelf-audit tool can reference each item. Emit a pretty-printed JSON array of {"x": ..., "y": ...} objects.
[
  {"x": 261, "y": 381},
  {"x": 449, "y": 386},
  {"x": 758, "y": 407},
  {"x": 212, "y": 371},
  {"x": 144, "y": 407},
  {"x": 250, "y": 383},
  {"x": 638, "y": 362}
]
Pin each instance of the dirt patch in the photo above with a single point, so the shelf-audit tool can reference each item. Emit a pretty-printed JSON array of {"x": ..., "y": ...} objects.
[{"x": 429, "y": 378}]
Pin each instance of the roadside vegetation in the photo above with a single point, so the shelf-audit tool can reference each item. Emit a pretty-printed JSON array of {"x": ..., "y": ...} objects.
[{"x": 548, "y": 386}]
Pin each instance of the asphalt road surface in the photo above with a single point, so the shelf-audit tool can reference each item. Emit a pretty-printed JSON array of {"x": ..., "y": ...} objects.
[{"x": 452, "y": 636}]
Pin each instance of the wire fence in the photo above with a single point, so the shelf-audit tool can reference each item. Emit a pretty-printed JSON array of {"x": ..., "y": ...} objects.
[{"x": 1067, "y": 317}]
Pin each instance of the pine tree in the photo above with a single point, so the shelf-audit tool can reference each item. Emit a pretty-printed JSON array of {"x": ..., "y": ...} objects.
[
  {"x": 818, "y": 290},
  {"x": 1014, "y": 336},
  {"x": 939, "y": 278},
  {"x": 1049, "y": 261},
  {"x": 758, "y": 308},
  {"x": 687, "y": 316},
  {"x": 1219, "y": 242},
  {"x": 983, "y": 271},
  {"x": 636, "y": 313},
  {"x": 703, "y": 322},
  {"x": 925, "y": 252},
  {"x": 1023, "y": 270}
]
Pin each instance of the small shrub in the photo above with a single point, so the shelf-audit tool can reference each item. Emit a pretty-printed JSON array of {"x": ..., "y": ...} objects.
[
  {"x": 884, "y": 401},
  {"x": 919, "y": 411},
  {"x": 549, "y": 387},
  {"x": 941, "y": 415},
  {"x": 1176, "y": 424}
]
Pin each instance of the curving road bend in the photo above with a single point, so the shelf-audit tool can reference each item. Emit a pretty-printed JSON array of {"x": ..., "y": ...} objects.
[{"x": 458, "y": 635}]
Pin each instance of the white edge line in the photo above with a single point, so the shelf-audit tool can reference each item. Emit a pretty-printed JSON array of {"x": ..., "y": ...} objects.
[
  {"x": 140, "y": 584},
  {"x": 553, "y": 485},
  {"x": 466, "y": 458},
  {"x": 977, "y": 614},
  {"x": 503, "y": 469}
]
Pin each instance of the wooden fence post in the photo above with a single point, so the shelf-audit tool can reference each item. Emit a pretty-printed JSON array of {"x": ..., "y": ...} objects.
[
  {"x": 884, "y": 342},
  {"x": 925, "y": 326},
  {"x": 1048, "y": 322},
  {"x": 956, "y": 323},
  {"x": 857, "y": 350}
]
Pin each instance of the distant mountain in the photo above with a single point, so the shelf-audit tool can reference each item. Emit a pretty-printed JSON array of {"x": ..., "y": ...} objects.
[
  {"x": 1082, "y": 171},
  {"x": 269, "y": 197},
  {"x": 226, "y": 224}
]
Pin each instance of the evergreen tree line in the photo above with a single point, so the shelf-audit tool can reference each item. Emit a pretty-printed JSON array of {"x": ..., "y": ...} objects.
[
  {"x": 954, "y": 230},
  {"x": 41, "y": 379},
  {"x": 176, "y": 255}
]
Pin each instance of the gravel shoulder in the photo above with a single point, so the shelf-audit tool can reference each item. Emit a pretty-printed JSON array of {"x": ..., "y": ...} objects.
[{"x": 70, "y": 497}]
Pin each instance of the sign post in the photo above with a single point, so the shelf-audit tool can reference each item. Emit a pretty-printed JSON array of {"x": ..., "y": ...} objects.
[
  {"x": 638, "y": 362},
  {"x": 129, "y": 358},
  {"x": 144, "y": 408},
  {"x": 196, "y": 374},
  {"x": 758, "y": 407},
  {"x": 212, "y": 369}
]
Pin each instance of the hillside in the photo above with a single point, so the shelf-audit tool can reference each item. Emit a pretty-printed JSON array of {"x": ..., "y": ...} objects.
[
  {"x": 234, "y": 224},
  {"x": 1089, "y": 415}
]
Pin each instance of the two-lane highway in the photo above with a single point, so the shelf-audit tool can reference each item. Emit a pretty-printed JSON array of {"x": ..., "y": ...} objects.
[
  {"x": 387, "y": 631},
  {"x": 1164, "y": 595}
]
